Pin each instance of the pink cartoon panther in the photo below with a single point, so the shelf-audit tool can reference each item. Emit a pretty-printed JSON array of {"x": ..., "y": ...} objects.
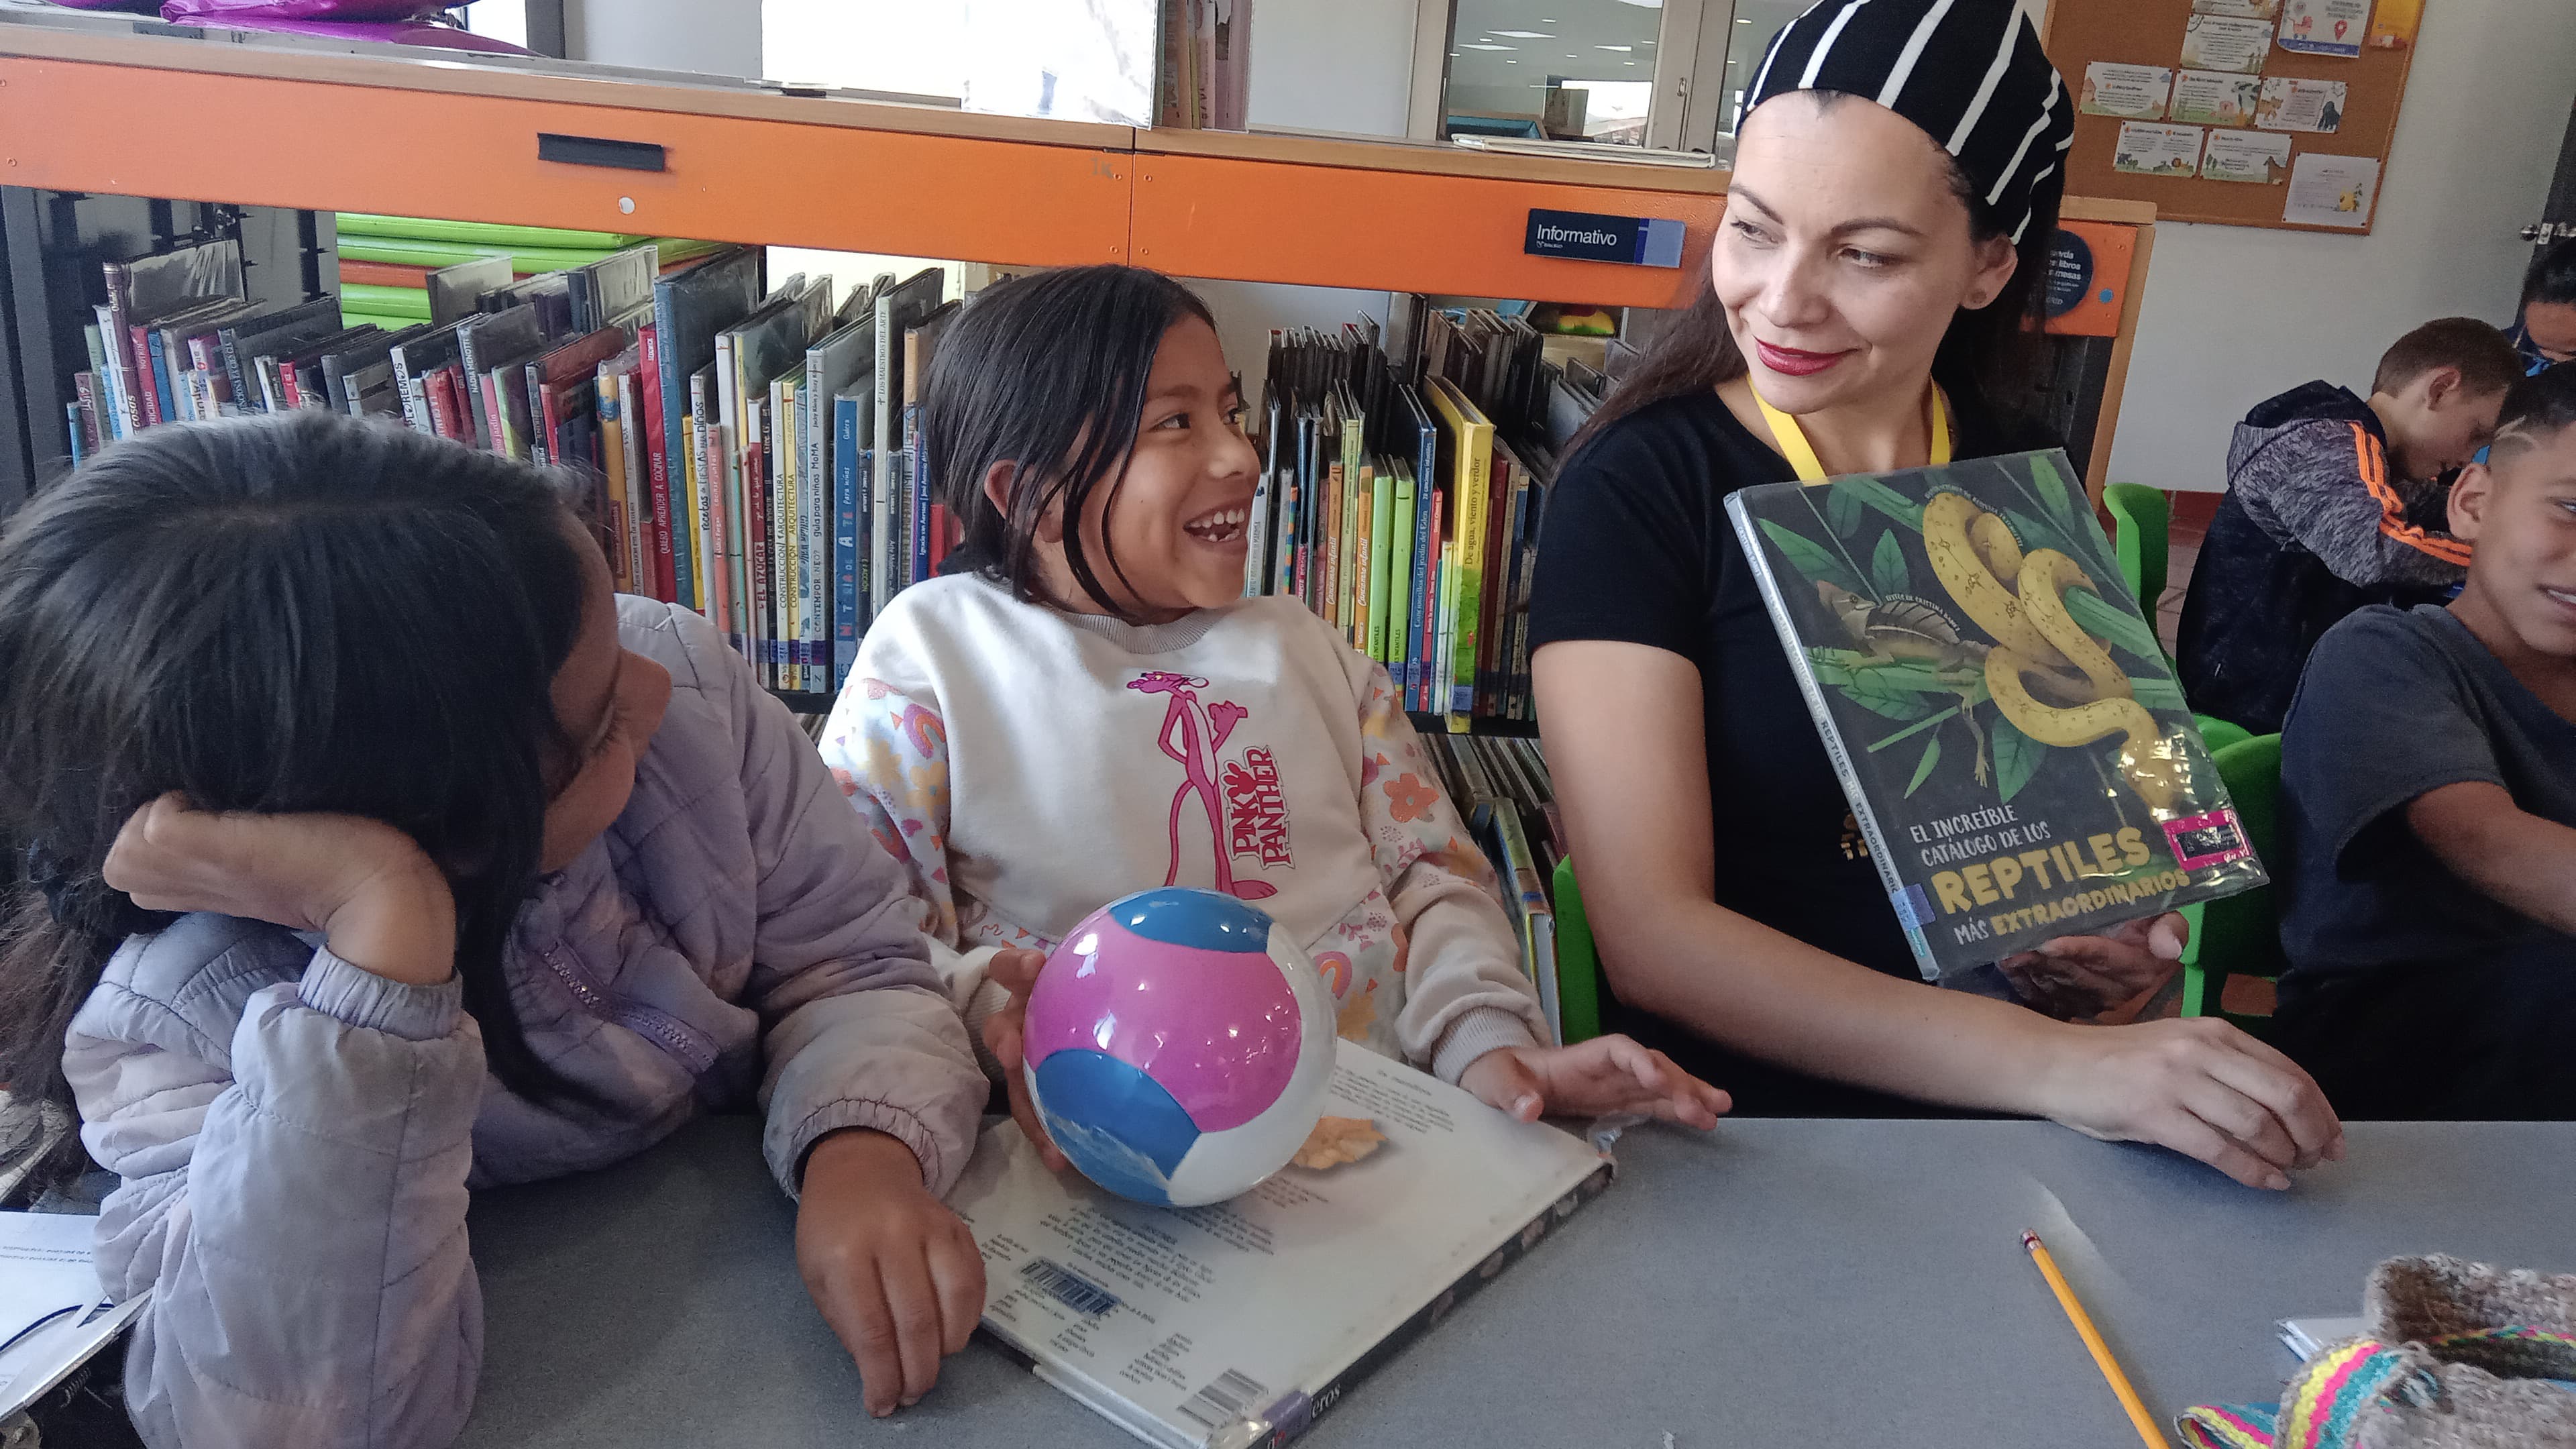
[{"x": 1201, "y": 731}]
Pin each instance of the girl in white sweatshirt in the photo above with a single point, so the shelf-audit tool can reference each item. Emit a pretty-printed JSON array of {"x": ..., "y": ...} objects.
[{"x": 1086, "y": 706}]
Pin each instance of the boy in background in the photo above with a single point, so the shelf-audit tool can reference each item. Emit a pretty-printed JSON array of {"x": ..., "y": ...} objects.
[
  {"x": 2428, "y": 814},
  {"x": 2332, "y": 504}
]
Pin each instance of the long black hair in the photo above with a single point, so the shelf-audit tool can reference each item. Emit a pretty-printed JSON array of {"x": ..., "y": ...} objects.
[
  {"x": 1992, "y": 352},
  {"x": 306, "y": 613},
  {"x": 1047, "y": 373}
]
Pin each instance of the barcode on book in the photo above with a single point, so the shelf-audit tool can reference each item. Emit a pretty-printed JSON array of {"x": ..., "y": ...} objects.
[
  {"x": 1230, "y": 1398},
  {"x": 1068, "y": 1287}
]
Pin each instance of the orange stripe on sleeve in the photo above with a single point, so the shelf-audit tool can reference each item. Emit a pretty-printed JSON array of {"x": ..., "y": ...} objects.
[{"x": 2373, "y": 463}]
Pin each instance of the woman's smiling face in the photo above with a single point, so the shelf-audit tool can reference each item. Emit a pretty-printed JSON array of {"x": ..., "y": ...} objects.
[{"x": 1845, "y": 251}]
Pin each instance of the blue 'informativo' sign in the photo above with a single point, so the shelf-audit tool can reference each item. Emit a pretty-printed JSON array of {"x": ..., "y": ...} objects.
[{"x": 1640, "y": 241}]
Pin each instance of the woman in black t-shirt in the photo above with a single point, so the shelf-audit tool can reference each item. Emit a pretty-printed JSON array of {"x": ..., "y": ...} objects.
[{"x": 1741, "y": 923}]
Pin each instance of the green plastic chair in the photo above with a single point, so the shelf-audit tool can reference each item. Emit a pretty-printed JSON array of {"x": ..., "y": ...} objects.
[
  {"x": 2241, "y": 935},
  {"x": 2141, "y": 521},
  {"x": 2141, "y": 532},
  {"x": 1578, "y": 962}
]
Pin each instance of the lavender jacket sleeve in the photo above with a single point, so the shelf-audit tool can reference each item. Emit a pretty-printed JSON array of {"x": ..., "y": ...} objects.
[
  {"x": 294, "y": 1189},
  {"x": 860, "y": 1030}
]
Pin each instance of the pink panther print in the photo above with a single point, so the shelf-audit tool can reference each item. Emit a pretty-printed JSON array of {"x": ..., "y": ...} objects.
[{"x": 1191, "y": 735}]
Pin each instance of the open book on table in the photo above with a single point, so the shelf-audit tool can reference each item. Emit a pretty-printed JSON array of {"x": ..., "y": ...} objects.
[{"x": 1235, "y": 1324}]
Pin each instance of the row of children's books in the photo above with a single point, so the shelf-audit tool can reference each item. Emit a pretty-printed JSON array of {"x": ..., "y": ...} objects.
[
  {"x": 1402, "y": 495},
  {"x": 753, "y": 450},
  {"x": 1500, "y": 785}
]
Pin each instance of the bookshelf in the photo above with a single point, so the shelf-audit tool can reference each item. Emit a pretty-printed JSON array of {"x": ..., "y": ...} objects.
[{"x": 759, "y": 163}]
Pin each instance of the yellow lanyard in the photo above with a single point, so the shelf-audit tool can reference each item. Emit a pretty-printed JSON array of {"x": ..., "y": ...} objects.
[{"x": 1802, "y": 454}]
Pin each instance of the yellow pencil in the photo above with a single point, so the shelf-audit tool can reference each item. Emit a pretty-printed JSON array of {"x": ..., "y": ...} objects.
[{"x": 2084, "y": 1329}]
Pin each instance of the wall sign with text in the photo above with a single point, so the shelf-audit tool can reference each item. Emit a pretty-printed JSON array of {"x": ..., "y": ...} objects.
[{"x": 1638, "y": 241}]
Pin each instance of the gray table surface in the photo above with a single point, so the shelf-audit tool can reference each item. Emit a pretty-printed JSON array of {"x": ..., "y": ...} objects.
[{"x": 1809, "y": 1282}]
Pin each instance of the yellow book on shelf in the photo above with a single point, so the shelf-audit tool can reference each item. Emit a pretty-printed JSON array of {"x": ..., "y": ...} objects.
[{"x": 1472, "y": 445}]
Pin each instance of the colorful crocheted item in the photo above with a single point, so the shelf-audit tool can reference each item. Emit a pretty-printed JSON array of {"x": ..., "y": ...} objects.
[{"x": 2460, "y": 1356}]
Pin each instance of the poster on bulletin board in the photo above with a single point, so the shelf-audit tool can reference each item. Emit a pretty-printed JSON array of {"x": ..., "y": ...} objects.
[{"x": 2272, "y": 113}]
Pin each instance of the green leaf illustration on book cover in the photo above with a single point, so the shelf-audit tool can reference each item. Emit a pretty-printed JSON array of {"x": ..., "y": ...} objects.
[{"x": 2007, "y": 725}]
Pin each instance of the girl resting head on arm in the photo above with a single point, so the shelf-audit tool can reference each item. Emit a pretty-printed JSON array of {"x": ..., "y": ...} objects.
[
  {"x": 338, "y": 782},
  {"x": 1895, "y": 187},
  {"x": 1088, "y": 706}
]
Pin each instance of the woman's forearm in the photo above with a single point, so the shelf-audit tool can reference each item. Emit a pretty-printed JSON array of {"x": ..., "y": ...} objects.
[{"x": 1769, "y": 995}]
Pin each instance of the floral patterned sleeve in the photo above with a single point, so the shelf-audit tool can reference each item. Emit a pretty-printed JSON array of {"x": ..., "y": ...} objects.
[
  {"x": 889, "y": 753},
  {"x": 1465, "y": 993}
]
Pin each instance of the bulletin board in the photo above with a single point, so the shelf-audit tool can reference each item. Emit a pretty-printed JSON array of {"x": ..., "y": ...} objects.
[{"x": 2219, "y": 110}]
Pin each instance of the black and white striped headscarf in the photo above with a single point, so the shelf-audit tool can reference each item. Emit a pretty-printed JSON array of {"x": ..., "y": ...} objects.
[{"x": 1969, "y": 72}]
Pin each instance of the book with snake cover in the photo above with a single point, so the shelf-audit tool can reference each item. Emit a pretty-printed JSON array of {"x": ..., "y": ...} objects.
[{"x": 2017, "y": 753}]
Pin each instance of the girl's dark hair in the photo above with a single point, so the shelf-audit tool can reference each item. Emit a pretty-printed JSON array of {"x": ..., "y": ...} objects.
[
  {"x": 1991, "y": 352},
  {"x": 2551, "y": 277},
  {"x": 1046, "y": 372},
  {"x": 307, "y": 613}
]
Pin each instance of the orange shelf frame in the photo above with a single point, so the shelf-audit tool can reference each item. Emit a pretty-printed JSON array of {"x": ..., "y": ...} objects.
[
  {"x": 457, "y": 138},
  {"x": 473, "y": 158}
]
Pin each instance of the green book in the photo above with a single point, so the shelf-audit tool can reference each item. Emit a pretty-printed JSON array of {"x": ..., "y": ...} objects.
[
  {"x": 411, "y": 303},
  {"x": 2017, "y": 754},
  {"x": 1402, "y": 606},
  {"x": 425, "y": 228},
  {"x": 1381, "y": 541}
]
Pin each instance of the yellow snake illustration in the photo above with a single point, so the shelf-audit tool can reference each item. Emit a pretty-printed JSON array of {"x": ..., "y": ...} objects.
[{"x": 2020, "y": 600}]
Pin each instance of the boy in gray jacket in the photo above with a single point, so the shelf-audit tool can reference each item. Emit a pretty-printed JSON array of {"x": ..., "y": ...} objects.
[{"x": 2332, "y": 503}]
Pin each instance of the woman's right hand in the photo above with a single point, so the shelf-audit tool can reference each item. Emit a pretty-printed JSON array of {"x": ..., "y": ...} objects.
[
  {"x": 366, "y": 886},
  {"x": 2200, "y": 1087},
  {"x": 1016, "y": 972}
]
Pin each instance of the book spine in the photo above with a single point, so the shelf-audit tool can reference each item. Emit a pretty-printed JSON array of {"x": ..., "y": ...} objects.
[
  {"x": 290, "y": 382},
  {"x": 1426, "y": 521},
  {"x": 671, "y": 386},
  {"x": 546, "y": 408},
  {"x": 1784, "y": 625},
  {"x": 85, "y": 393},
  {"x": 814, "y": 408},
  {"x": 639, "y": 505},
  {"x": 1363, "y": 554},
  {"x": 748, "y": 548},
  {"x": 1428, "y": 623},
  {"x": 845, "y": 538},
  {"x": 228, "y": 344},
  {"x": 541, "y": 432},
  {"x": 688, "y": 464},
  {"x": 151, "y": 387},
  {"x": 103, "y": 363},
  {"x": 657, "y": 467},
  {"x": 1256, "y": 547},
  {"x": 1489, "y": 613},
  {"x": 75, "y": 446},
  {"x": 415, "y": 403},
  {"x": 881, "y": 510},
  {"x": 165, "y": 388},
  {"x": 719, "y": 532},
  {"x": 915, "y": 466},
  {"x": 620, "y": 520},
  {"x": 786, "y": 610},
  {"x": 815, "y": 422},
  {"x": 442, "y": 405},
  {"x": 1382, "y": 554},
  {"x": 1474, "y": 503}
]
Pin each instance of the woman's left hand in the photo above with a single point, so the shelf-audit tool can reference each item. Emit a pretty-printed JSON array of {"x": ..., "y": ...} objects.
[
  {"x": 1592, "y": 1079},
  {"x": 895, "y": 1272},
  {"x": 2075, "y": 978}
]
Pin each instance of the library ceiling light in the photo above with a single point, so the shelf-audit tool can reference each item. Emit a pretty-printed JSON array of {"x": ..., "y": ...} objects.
[
  {"x": 1473, "y": 45},
  {"x": 1615, "y": 47},
  {"x": 1525, "y": 34}
]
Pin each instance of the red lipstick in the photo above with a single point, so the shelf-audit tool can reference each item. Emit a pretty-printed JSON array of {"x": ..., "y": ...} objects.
[{"x": 1791, "y": 362}]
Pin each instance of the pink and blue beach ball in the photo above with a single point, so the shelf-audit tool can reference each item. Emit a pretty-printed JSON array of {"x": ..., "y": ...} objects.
[{"x": 1178, "y": 1046}]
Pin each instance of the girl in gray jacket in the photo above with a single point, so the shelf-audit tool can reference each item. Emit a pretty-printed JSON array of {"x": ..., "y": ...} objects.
[{"x": 371, "y": 850}]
